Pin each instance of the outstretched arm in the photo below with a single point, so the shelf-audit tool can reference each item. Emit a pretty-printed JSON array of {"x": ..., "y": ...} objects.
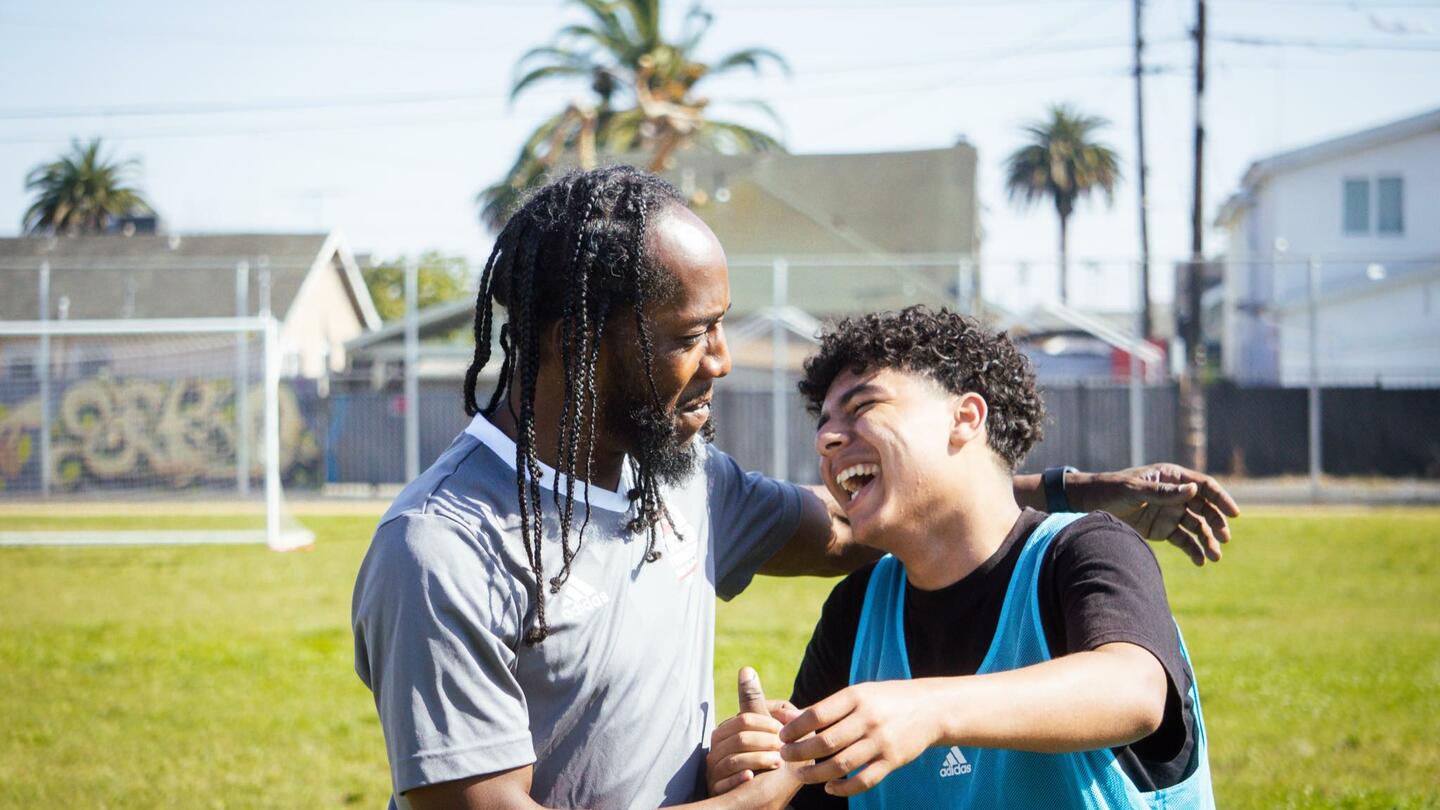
[
  {"x": 1112, "y": 695},
  {"x": 1188, "y": 509},
  {"x": 1166, "y": 502}
]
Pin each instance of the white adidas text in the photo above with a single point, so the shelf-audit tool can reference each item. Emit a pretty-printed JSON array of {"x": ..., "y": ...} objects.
[{"x": 955, "y": 764}]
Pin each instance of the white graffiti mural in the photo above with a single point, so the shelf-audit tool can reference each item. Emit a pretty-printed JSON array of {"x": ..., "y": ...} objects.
[{"x": 140, "y": 431}]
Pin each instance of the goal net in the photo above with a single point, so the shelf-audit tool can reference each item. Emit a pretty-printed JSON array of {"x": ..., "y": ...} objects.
[{"x": 148, "y": 431}]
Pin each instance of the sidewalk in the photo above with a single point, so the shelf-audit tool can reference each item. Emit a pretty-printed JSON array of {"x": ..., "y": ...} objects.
[{"x": 1334, "y": 490}]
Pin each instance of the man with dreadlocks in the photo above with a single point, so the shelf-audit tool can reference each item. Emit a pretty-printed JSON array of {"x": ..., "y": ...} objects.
[{"x": 535, "y": 615}]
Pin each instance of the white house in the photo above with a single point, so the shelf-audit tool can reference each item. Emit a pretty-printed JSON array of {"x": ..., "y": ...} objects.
[{"x": 1362, "y": 213}]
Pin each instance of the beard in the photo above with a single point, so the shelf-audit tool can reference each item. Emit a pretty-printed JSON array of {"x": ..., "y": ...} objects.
[
  {"x": 650, "y": 433},
  {"x": 658, "y": 446}
]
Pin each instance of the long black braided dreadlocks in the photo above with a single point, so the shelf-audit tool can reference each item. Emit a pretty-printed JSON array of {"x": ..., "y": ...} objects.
[{"x": 576, "y": 253}]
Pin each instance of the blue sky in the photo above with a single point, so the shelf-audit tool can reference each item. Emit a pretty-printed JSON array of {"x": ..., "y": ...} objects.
[{"x": 383, "y": 117}]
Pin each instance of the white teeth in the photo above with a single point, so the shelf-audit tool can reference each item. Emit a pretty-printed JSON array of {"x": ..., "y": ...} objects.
[{"x": 845, "y": 478}]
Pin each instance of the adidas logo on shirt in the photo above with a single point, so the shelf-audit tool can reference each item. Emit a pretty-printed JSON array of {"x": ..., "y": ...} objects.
[
  {"x": 955, "y": 764},
  {"x": 578, "y": 599}
]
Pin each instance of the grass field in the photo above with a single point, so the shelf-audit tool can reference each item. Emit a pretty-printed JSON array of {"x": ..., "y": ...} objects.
[{"x": 221, "y": 676}]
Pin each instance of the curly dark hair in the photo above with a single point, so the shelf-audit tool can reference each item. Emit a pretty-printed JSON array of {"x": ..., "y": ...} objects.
[
  {"x": 951, "y": 349},
  {"x": 575, "y": 253}
]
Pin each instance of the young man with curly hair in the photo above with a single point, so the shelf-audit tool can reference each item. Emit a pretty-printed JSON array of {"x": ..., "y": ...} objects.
[{"x": 997, "y": 656}]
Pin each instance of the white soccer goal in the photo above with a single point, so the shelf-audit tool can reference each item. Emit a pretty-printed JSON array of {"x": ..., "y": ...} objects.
[{"x": 147, "y": 431}]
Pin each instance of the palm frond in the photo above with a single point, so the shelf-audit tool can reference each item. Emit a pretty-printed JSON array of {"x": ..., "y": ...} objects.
[{"x": 752, "y": 58}]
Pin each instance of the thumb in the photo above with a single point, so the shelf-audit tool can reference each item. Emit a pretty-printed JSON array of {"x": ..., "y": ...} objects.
[
  {"x": 752, "y": 697},
  {"x": 1161, "y": 492}
]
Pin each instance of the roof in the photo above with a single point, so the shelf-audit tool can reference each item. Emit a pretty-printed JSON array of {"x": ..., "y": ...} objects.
[
  {"x": 919, "y": 201},
  {"x": 168, "y": 276},
  {"x": 1337, "y": 147}
]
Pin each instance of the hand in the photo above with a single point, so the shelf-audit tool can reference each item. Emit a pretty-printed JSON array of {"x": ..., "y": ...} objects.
[
  {"x": 749, "y": 741},
  {"x": 871, "y": 727},
  {"x": 1161, "y": 502}
]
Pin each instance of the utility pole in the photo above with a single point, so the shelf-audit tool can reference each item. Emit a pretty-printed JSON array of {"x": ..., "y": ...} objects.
[
  {"x": 1192, "y": 393},
  {"x": 1147, "y": 325}
]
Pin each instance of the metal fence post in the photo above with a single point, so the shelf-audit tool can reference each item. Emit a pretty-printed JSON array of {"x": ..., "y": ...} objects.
[
  {"x": 1137, "y": 390},
  {"x": 43, "y": 367},
  {"x": 780, "y": 437},
  {"x": 272, "y": 432},
  {"x": 242, "y": 381},
  {"x": 1313, "y": 288},
  {"x": 412, "y": 371}
]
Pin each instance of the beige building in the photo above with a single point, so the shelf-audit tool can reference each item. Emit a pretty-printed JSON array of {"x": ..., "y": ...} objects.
[{"x": 310, "y": 282}]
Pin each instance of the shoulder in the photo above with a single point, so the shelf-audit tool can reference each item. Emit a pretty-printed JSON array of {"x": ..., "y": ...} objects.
[
  {"x": 428, "y": 557},
  {"x": 1097, "y": 537}
]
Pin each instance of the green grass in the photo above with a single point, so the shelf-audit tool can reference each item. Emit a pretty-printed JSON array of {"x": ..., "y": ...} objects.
[{"x": 221, "y": 677}]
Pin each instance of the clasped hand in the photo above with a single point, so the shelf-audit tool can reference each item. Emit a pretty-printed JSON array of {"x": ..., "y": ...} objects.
[{"x": 848, "y": 741}]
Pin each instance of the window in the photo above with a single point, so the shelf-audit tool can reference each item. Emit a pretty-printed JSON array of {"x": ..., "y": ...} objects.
[
  {"x": 1390, "y": 205},
  {"x": 1357, "y": 207}
]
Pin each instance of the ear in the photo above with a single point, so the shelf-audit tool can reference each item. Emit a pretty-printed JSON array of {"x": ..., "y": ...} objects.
[{"x": 968, "y": 419}]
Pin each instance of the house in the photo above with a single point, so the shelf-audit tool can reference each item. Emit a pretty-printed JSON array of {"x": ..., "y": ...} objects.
[
  {"x": 310, "y": 282},
  {"x": 1361, "y": 212},
  {"x": 860, "y": 232}
]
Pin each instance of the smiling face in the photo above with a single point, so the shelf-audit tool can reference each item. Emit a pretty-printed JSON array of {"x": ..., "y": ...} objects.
[
  {"x": 887, "y": 441},
  {"x": 688, "y": 348}
]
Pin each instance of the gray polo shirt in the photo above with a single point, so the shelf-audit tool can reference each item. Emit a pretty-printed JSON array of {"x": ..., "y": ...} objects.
[{"x": 615, "y": 708}]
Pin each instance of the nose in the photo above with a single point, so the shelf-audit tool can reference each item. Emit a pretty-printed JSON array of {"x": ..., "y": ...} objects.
[
  {"x": 717, "y": 359},
  {"x": 830, "y": 440}
]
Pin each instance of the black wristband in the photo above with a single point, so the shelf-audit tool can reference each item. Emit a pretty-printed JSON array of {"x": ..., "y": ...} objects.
[{"x": 1053, "y": 479}]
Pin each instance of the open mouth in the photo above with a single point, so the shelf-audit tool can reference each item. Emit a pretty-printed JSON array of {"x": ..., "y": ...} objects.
[
  {"x": 857, "y": 478},
  {"x": 696, "y": 406}
]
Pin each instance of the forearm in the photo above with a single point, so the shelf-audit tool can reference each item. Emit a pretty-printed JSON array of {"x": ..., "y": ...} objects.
[
  {"x": 1029, "y": 491},
  {"x": 1110, "y": 696},
  {"x": 822, "y": 545}
]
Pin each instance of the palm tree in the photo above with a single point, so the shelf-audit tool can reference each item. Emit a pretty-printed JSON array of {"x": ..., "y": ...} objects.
[
  {"x": 81, "y": 192},
  {"x": 643, "y": 99},
  {"x": 1062, "y": 163}
]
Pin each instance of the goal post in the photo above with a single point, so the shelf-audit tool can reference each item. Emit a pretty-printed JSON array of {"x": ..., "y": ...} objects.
[{"x": 146, "y": 431}]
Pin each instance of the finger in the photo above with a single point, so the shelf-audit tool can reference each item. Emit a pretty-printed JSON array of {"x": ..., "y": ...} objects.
[
  {"x": 844, "y": 762},
  {"x": 860, "y": 782},
  {"x": 747, "y": 722},
  {"x": 1212, "y": 492},
  {"x": 1165, "y": 493},
  {"x": 826, "y": 741},
  {"x": 783, "y": 710},
  {"x": 731, "y": 782},
  {"x": 754, "y": 761},
  {"x": 744, "y": 742},
  {"x": 752, "y": 697},
  {"x": 822, "y": 714},
  {"x": 1213, "y": 516},
  {"x": 1184, "y": 541},
  {"x": 1201, "y": 531}
]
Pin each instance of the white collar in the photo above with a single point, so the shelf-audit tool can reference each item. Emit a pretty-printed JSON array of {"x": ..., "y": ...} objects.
[{"x": 502, "y": 445}]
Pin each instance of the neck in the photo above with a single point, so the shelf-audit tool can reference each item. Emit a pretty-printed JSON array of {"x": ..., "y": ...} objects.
[
  {"x": 965, "y": 528},
  {"x": 606, "y": 462}
]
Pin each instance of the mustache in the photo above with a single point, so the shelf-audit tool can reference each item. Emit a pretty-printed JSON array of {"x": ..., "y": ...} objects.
[{"x": 700, "y": 397}]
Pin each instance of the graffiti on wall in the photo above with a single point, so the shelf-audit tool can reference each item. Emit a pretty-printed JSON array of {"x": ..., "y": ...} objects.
[{"x": 137, "y": 431}]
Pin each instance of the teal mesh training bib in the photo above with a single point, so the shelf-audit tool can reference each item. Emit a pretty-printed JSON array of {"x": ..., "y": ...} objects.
[{"x": 968, "y": 777}]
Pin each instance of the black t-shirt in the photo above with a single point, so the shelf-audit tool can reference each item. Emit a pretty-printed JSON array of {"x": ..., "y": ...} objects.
[{"x": 1099, "y": 583}]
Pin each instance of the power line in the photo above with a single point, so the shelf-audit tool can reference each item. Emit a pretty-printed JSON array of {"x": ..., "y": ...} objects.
[{"x": 1323, "y": 44}]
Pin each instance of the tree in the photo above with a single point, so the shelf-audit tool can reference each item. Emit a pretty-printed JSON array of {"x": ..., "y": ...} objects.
[
  {"x": 81, "y": 192},
  {"x": 1061, "y": 162},
  {"x": 439, "y": 278},
  {"x": 644, "y": 97}
]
